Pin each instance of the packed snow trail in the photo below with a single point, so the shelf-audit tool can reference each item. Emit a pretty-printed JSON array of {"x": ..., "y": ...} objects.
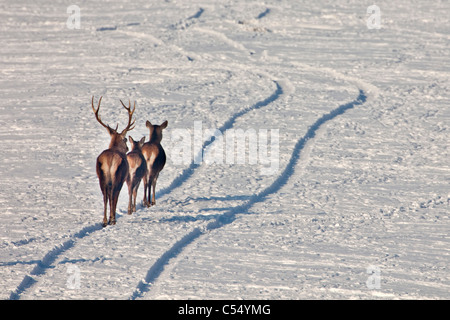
[
  {"x": 228, "y": 217},
  {"x": 52, "y": 255},
  {"x": 226, "y": 126},
  {"x": 369, "y": 189},
  {"x": 47, "y": 261}
]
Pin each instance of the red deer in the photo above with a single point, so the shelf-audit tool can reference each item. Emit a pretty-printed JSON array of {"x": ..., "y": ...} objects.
[
  {"x": 156, "y": 159},
  {"x": 112, "y": 164},
  {"x": 137, "y": 171}
]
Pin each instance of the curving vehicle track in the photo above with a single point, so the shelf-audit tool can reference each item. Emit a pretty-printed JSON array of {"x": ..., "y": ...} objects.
[{"x": 362, "y": 179}]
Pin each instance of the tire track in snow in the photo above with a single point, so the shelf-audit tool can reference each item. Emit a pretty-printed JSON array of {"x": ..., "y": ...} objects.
[
  {"x": 50, "y": 257},
  {"x": 223, "y": 38},
  {"x": 226, "y": 126},
  {"x": 228, "y": 217},
  {"x": 187, "y": 22},
  {"x": 283, "y": 178},
  {"x": 263, "y": 14}
]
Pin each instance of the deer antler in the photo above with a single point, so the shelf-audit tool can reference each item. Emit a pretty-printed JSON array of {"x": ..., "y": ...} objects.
[
  {"x": 97, "y": 116},
  {"x": 130, "y": 125}
]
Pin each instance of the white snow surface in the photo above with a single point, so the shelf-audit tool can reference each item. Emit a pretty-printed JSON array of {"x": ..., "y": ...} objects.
[{"x": 364, "y": 124}]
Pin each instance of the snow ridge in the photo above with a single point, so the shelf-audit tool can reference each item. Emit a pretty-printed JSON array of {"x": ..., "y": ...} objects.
[
  {"x": 263, "y": 14},
  {"x": 228, "y": 217},
  {"x": 158, "y": 267},
  {"x": 283, "y": 178},
  {"x": 226, "y": 126},
  {"x": 43, "y": 265},
  {"x": 46, "y": 262},
  {"x": 197, "y": 14}
]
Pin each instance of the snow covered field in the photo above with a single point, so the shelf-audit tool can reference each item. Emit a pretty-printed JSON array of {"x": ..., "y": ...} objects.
[{"x": 357, "y": 206}]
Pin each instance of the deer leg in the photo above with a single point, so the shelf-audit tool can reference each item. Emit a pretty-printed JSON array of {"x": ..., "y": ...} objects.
[
  {"x": 111, "y": 205},
  {"x": 112, "y": 214},
  {"x": 115, "y": 198},
  {"x": 105, "y": 207},
  {"x": 135, "y": 190},
  {"x": 133, "y": 206},
  {"x": 130, "y": 193},
  {"x": 130, "y": 198},
  {"x": 149, "y": 185},
  {"x": 145, "y": 189},
  {"x": 146, "y": 203},
  {"x": 154, "y": 187}
]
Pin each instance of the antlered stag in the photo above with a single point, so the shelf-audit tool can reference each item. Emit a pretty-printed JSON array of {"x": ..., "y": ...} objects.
[
  {"x": 156, "y": 159},
  {"x": 137, "y": 171},
  {"x": 112, "y": 164}
]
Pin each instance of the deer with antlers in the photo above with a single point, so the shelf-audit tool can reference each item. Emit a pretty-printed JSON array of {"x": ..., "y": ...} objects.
[
  {"x": 112, "y": 164},
  {"x": 156, "y": 159}
]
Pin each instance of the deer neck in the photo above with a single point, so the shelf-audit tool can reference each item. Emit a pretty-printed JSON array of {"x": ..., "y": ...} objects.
[
  {"x": 118, "y": 147},
  {"x": 154, "y": 139},
  {"x": 136, "y": 150}
]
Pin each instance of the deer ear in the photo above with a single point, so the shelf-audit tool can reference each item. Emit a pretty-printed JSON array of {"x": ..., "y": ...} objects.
[
  {"x": 164, "y": 125},
  {"x": 131, "y": 140},
  {"x": 142, "y": 141},
  {"x": 148, "y": 124}
]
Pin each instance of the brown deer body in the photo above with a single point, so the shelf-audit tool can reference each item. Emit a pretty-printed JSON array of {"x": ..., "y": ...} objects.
[
  {"x": 156, "y": 159},
  {"x": 137, "y": 172},
  {"x": 112, "y": 164}
]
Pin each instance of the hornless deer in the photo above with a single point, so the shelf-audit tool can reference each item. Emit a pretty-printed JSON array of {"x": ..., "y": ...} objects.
[
  {"x": 137, "y": 171},
  {"x": 112, "y": 164},
  {"x": 156, "y": 159}
]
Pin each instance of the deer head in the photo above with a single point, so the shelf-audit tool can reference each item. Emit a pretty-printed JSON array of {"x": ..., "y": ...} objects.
[
  {"x": 136, "y": 145},
  {"x": 156, "y": 131},
  {"x": 118, "y": 140}
]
